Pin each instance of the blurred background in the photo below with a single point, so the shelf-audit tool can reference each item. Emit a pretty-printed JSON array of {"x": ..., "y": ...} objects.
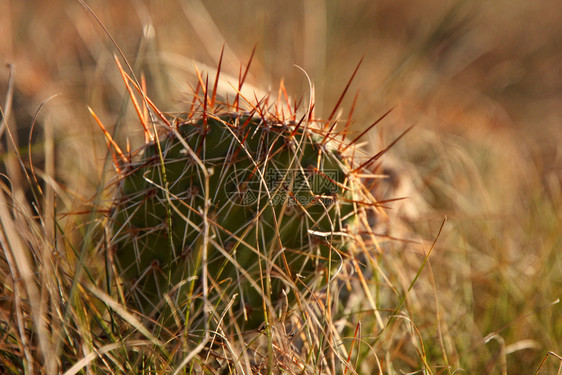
[
  {"x": 470, "y": 67},
  {"x": 481, "y": 80}
]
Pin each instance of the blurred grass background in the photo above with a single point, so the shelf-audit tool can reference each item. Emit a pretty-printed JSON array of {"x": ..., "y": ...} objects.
[{"x": 482, "y": 81}]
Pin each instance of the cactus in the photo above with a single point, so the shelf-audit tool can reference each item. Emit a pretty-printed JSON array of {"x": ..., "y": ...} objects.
[{"x": 244, "y": 211}]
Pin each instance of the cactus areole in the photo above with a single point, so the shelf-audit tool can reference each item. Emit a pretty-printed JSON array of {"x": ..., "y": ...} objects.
[{"x": 258, "y": 207}]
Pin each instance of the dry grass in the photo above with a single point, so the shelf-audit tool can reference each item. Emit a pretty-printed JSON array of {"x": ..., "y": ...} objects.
[{"x": 481, "y": 81}]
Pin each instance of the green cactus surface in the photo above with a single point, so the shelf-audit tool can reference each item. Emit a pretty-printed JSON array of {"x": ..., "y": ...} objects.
[{"x": 262, "y": 205}]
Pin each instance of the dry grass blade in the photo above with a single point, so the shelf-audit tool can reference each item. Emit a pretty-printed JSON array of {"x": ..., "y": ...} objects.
[
  {"x": 125, "y": 314},
  {"x": 23, "y": 277},
  {"x": 91, "y": 357}
]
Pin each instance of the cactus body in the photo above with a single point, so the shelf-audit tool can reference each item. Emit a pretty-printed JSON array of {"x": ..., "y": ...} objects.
[{"x": 268, "y": 202}]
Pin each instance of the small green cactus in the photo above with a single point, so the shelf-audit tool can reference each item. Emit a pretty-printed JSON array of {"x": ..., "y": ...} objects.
[
  {"x": 268, "y": 201},
  {"x": 234, "y": 218}
]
